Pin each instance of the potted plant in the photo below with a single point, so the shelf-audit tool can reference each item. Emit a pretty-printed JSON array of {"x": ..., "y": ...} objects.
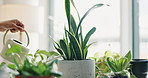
[
  {"x": 74, "y": 47},
  {"x": 34, "y": 66},
  {"x": 101, "y": 67},
  {"x": 119, "y": 66},
  {"x": 139, "y": 67}
]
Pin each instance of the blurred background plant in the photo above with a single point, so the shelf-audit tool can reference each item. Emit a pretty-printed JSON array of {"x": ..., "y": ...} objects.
[
  {"x": 39, "y": 64},
  {"x": 102, "y": 70}
]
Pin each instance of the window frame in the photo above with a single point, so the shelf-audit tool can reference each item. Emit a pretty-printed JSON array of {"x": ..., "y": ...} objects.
[
  {"x": 130, "y": 27},
  {"x": 135, "y": 29}
]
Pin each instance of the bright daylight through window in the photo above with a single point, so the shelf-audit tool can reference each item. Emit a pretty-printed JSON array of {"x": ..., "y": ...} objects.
[{"x": 143, "y": 28}]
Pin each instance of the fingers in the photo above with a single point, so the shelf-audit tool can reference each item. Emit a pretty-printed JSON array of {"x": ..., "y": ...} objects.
[
  {"x": 13, "y": 25},
  {"x": 16, "y": 28},
  {"x": 17, "y": 25},
  {"x": 13, "y": 30},
  {"x": 17, "y": 22}
]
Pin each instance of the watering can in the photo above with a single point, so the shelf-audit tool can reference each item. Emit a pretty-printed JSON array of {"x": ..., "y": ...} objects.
[{"x": 10, "y": 42}]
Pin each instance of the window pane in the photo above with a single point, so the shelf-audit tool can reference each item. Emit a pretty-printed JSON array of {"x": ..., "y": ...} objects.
[
  {"x": 106, "y": 19},
  {"x": 143, "y": 23}
]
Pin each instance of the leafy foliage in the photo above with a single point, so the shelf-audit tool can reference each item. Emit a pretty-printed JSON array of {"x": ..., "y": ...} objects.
[
  {"x": 34, "y": 65},
  {"x": 73, "y": 46},
  {"x": 119, "y": 64},
  {"x": 102, "y": 68}
]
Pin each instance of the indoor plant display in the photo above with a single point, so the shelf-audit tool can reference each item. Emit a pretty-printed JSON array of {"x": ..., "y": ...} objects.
[
  {"x": 102, "y": 69},
  {"x": 35, "y": 66},
  {"x": 73, "y": 48},
  {"x": 119, "y": 66}
]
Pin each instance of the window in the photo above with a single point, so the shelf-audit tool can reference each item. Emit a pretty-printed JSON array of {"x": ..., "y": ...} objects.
[
  {"x": 143, "y": 28},
  {"x": 106, "y": 19}
]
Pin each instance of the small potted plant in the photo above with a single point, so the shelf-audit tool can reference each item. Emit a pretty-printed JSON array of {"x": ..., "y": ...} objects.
[
  {"x": 34, "y": 66},
  {"x": 102, "y": 69},
  {"x": 74, "y": 47},
  {"x": 119, "y": 66}
]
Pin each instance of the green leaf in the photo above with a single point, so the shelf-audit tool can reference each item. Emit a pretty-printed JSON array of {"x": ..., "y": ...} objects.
[
  {"x": 61, "y": 52},
  {"x": 56, "y": 74},
  {"x": 30, "y": 55},
  {"x": 66, "y": 36},
  {"x": 64, "y": 48},
  {"x": 41, "y": 67},
  {"x": 86, "y": 50},
  {"x": 88, "y": 35},
  {"x": 73, "y": 54},
  {"x": 129, "y": 56},
  {"x": 75, "y": 8},
  {"x": 12, "y": 66},
  {"x": 14, "y": 49},
  {"x": 73, "y": 25},
  {"x": 67, "y": 8},
  {"x": 16, "y": 63},
  {"x": 27, "y": 65},
  {"x": 111, "y": 65},
  {"x": 76, "y": 46},
  {"x": 48, "y": 54},
  {"x": 2, "y": 64},
  {"x": 81, "y": 20},
  {"x": 42, "y": 57}
]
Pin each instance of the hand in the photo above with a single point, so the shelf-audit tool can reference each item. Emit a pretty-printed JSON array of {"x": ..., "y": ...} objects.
[{"x": 14, "y": 26}]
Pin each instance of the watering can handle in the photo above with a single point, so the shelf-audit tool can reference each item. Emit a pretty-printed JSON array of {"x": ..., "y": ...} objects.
[{"x": 28, "y": 40}]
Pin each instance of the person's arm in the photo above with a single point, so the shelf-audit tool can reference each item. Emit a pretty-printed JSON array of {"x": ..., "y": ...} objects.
[{"x": 14, "y": 26}]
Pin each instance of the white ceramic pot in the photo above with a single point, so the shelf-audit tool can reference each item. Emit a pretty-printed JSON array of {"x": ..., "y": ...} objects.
[
  {"x": 77, "y": 68},
  {"x": 26, "y": 2}
]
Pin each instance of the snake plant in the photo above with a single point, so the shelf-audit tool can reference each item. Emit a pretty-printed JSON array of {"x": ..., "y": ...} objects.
[{"x": 74, "y": 46}]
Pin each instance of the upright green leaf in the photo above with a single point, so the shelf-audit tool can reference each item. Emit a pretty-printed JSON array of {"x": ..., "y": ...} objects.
[
  {"x": 73, "y": 24},
  {"x": 61, "y": 52},
  {"x": 64, "y": 48},
  {"x": 76, "y": 46},
  {"x": 88, "y": 35},
  {"x": 73, "y": 54},
  {"x": 86, "y": 50},
  {"x": 81, "y": 20},
  {"x": 111, "y": 65},
  {"x": 129, "y": 56},
  {"x": 75, "y": 9},
  {"x": 67, "y": 8}
]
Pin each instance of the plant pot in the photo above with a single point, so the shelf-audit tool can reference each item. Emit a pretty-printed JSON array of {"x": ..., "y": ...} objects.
[
  {"x": 35, "y": 77},
  {"x": 119, "y": 76},
  {"x": 77, "y": 68},
  {"x": 122, "y": 74},
  {"x": 140, "y": 67}
]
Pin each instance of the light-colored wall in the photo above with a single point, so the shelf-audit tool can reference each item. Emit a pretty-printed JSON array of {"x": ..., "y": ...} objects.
[{"x": 1, "y": 1}]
